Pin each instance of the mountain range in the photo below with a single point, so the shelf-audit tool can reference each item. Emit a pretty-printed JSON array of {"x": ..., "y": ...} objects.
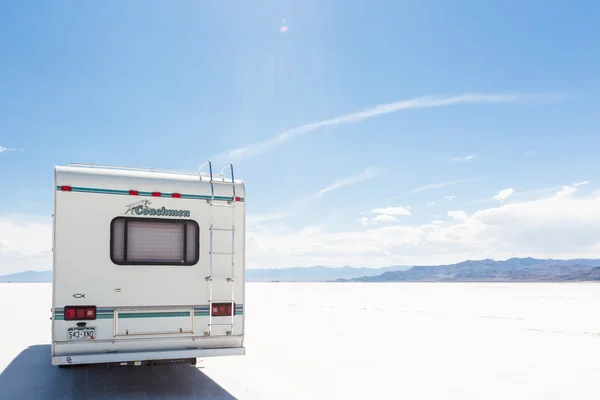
[
  {"x": 511, "y": 270},
  {"x": 310, "y": 274}
]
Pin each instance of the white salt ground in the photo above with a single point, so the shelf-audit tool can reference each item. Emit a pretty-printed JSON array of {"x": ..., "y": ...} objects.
[{"x": 346, "y": 341}]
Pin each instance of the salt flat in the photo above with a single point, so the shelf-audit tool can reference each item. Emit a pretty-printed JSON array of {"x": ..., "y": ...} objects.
[{"x": 347, "y": 341}]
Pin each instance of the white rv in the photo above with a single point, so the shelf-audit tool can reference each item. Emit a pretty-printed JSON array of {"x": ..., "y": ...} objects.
[{"x": 148, "y": 265}]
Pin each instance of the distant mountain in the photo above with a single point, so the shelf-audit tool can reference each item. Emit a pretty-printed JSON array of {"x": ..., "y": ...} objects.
[
  {"x": 511, "y": 270},
  {"x": 314, "y": 274},
  {"x": 28, "y": 277},
  {"x": 309, "y": 274}
]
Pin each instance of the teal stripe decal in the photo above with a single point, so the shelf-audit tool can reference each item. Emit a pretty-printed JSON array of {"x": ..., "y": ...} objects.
[
  {"x": 154, "y": 315},
  {"x": 146, "y": 194},
  {"x": 108, "y": 313}
]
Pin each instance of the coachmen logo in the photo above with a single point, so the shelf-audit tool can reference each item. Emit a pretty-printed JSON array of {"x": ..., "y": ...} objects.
[{"x": 141, "y": 208}]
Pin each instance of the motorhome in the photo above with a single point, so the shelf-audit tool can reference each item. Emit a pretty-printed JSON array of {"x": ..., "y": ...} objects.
[{"x": 148, "y": 265}]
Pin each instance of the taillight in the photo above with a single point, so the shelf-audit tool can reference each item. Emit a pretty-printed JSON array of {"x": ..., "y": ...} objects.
[
  {"x": 80, "y": 313},
  {"x": 222, "y": 310},
  {"x": 69, "y": 313}
]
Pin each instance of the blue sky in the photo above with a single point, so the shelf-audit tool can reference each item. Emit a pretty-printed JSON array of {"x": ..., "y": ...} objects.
[{"x": 513, "y": 86}]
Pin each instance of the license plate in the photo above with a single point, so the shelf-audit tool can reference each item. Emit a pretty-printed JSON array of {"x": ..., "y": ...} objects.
[{"x": 81, "y": 333}]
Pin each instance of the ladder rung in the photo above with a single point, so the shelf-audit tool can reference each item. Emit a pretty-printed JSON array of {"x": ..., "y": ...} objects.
[
  {"x": 232, "y": 325},
  {"x": 221, "y": 254},
  {"x": 223, "y": 229},
  {"x": 221, "y": 205}
]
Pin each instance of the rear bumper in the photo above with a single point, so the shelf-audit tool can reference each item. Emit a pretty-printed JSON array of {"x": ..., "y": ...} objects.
[{"x": 146, "y": 356}]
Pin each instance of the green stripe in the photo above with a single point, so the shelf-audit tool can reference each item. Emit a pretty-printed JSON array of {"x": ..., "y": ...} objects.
[
  {"x": 154, "y": 315},
  {"x": 145, "y": 194},
  {"x": 149, "y": 315}
]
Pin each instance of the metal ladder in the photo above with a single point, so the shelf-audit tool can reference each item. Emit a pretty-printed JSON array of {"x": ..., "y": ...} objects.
[{"x": 211, "y": 277}]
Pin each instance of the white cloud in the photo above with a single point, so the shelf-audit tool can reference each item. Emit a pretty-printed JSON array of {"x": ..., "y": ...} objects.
[
  {"x": 570, "y": 189},
  {"x": 273, "y": 142},
  {"x": 391, "y": 211},
  {"x": 430, "y": 203},
  {"x": 452, "y": 197},
  {"x": 504, "y": 194},
  {"x": 386, "y": 214},
  {"x": 465, "y": 158},
  {"x": 25, "y": 243},
  {"x": 367, "y": 174},
  {"x": 382, "y": 218},
  {"x": 562, "y": 225},
  {"x": 458, "y": 215}
]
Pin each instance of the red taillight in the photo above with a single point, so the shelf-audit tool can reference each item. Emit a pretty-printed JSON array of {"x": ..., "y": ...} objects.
[
  {"x": 80, "y": 313},
  {"x": 134, "y": 192},
  {"x": 66, "y": 188},
  {"x": 69, "y": 313},
  {"x": 221, "y": 310},
  {"x": 238, "y": 199},
  {"x": 156, "y": 194},
  {"x": 176, "y": 195}
]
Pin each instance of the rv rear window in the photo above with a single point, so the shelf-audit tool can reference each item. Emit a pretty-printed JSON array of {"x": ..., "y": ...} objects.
[{"x": 150, "y": 241}]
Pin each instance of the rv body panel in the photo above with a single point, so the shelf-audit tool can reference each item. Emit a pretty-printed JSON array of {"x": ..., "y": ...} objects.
[{"x": 136, "y": 245}]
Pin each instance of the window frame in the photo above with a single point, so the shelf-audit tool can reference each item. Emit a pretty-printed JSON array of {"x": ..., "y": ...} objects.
[{"x": 185, "y": 222}]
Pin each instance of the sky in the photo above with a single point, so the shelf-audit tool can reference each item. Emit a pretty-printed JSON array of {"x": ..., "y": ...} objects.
[{"x": 370, "y": 133}]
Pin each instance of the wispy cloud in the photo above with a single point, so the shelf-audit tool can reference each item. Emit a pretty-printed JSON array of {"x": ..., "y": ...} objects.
[
  {"x": 5, "y": 149},
  {"x": 432, "y": 186},
  {"x": 391, "y": 211},
  {"x": 430, "y": 203},
  {"x": 254, "y": 219},
  {"x": 239, "y": 154},
  {"x": 570, "y": 189},
  {"x": 504, "y": 194},
  {"x": 368, "y": 173},
  {"x": 465, "y": 158},
  {"x": 451, "y": 197}
]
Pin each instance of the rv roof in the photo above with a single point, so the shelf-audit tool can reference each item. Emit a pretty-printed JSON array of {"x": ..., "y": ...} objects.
[{"x": 92, "y": 169}]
